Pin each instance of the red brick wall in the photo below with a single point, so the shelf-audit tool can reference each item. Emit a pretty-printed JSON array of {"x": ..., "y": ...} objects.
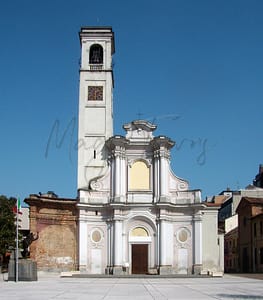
[{"x": 55, "y": 220}]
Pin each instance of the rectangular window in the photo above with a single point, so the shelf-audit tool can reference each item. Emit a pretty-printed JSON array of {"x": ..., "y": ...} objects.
[
  {"x": 255, "y": 229},
  {"x": 261, "y": 227},
  {"x": 95, "y": 93}
]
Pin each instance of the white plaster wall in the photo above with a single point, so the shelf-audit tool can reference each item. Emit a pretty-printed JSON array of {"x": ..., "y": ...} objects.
[
  {"x": 83, "y": 245},
  {"x": 166, "y": 242},
  {"x": 211, "y": 259},
  {"x": 88, "y": 222},
  {"x": 231, "y": 223},
  {"x": 95, "y": 117},
  {"x": 96, "y": 251},
  {"x": 187, "y": 245}
]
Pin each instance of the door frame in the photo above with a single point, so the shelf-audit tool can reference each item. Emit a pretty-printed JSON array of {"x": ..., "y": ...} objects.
[
  {"x": 148, "y": 254},
  {"x": 150, "y": 240}
]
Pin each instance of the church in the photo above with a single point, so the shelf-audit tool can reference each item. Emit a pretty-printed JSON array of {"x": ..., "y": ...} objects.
[{"x": 133, "y": 215}]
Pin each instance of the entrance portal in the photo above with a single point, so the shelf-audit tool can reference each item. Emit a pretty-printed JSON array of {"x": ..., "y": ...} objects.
[{"x": 139, "y": 258}]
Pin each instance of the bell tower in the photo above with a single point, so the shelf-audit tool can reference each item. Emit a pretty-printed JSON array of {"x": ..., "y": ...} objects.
[{"x": 95, "y": 102}]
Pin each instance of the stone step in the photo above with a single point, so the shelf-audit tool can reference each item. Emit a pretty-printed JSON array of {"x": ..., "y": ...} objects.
[{"x": 148, "y": 276}]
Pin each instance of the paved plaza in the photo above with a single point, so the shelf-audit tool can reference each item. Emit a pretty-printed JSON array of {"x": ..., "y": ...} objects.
[{"x": 51, "y": 286}]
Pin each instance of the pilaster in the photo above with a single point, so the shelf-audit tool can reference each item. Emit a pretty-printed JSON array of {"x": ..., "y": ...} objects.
[
  {"x": 118, "y": 245},
  {"x": 156, "y": 188},
  {"x": 110, "y": 246},
  {"x": 117, "y": 148},
  {"x": 83, "y": 235},
  {"x": 165, "y": 247},
  {"x": 198, "y": 249},
  {"x": 161, "y": 146}
]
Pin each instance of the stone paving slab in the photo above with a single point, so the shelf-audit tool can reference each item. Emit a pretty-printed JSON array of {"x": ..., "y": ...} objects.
[{"x": 51, "y": 286}]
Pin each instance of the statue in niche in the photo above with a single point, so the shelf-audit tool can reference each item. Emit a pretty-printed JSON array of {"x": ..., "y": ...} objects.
[{"x": 27, "y": 241}]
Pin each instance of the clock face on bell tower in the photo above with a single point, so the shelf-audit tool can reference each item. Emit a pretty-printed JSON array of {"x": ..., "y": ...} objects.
[{"x": 95, "y": 93}]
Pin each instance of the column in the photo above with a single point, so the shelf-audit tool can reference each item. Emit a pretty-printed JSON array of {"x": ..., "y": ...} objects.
[
  {"x": 163, "y": 174},
  {"x": 158, "y": 243},
  {"x": 117, "y": 175},
  {"x": 83, "y": 245},
  {"x": 109, "y": 247},
  {"x": 198, "y": 241},
  {"x": 156, "y": 181},
  {"x": 166, "y": 247},
  {"x": 113, "y": 167},
  {"x": 125, "y": 254},
  {"x": 117, "y": 246},
  {"x": 123, "y": 182}
]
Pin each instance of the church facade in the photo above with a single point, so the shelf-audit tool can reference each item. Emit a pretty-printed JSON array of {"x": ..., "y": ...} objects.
[{"x": 135, "y": 215}]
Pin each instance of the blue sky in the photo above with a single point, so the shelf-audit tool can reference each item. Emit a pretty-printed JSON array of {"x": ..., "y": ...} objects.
[{"x": 194, "y": 68}]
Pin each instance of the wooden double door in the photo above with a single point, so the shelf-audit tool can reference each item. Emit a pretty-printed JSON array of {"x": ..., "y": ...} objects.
[{"x": 139, "y": 258}]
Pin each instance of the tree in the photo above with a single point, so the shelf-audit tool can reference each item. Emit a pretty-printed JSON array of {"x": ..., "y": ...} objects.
[{"x": 7, "y": 224}]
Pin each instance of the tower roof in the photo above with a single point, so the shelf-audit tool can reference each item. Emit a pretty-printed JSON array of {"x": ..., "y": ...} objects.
[{"x": 98, "y": 31}]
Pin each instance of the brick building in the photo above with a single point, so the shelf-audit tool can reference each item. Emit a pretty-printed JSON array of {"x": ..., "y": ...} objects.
[
  {"x": 250, "y": 232},
  {"x": 231, "y": 250},
  {"x": 257, "y": 241},
  {"x": 55, "y": 221}
]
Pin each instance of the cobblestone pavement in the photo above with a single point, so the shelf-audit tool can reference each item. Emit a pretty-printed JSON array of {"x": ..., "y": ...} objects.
[{"x": 51, "y": 286}]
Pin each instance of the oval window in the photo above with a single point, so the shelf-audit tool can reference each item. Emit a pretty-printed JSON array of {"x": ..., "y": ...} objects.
[
  {"x": 182, "y": 235},
  {"x": 96, "y": 236}
]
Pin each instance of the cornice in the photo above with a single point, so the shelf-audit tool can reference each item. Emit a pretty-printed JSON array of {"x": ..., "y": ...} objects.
[
  {"x": 162, "y": 141},
  {"x": 117, "y": 140}
]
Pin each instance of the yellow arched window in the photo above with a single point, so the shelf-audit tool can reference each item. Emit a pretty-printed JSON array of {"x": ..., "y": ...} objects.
[
  {"x": 139, "y": 176},
  {"x": 139, "y": 231}
]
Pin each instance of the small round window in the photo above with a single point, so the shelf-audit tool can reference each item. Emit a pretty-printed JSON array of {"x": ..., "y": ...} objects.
[
  {"x": 96, "y": 236},
  {"x": 182, "y": 235}
]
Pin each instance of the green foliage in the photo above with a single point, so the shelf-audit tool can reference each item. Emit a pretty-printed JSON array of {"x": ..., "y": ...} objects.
[{"x": 7, "y": 224}]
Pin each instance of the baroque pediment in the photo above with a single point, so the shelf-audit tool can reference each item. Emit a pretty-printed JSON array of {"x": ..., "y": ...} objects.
[{"x": 139, "y": 130}]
